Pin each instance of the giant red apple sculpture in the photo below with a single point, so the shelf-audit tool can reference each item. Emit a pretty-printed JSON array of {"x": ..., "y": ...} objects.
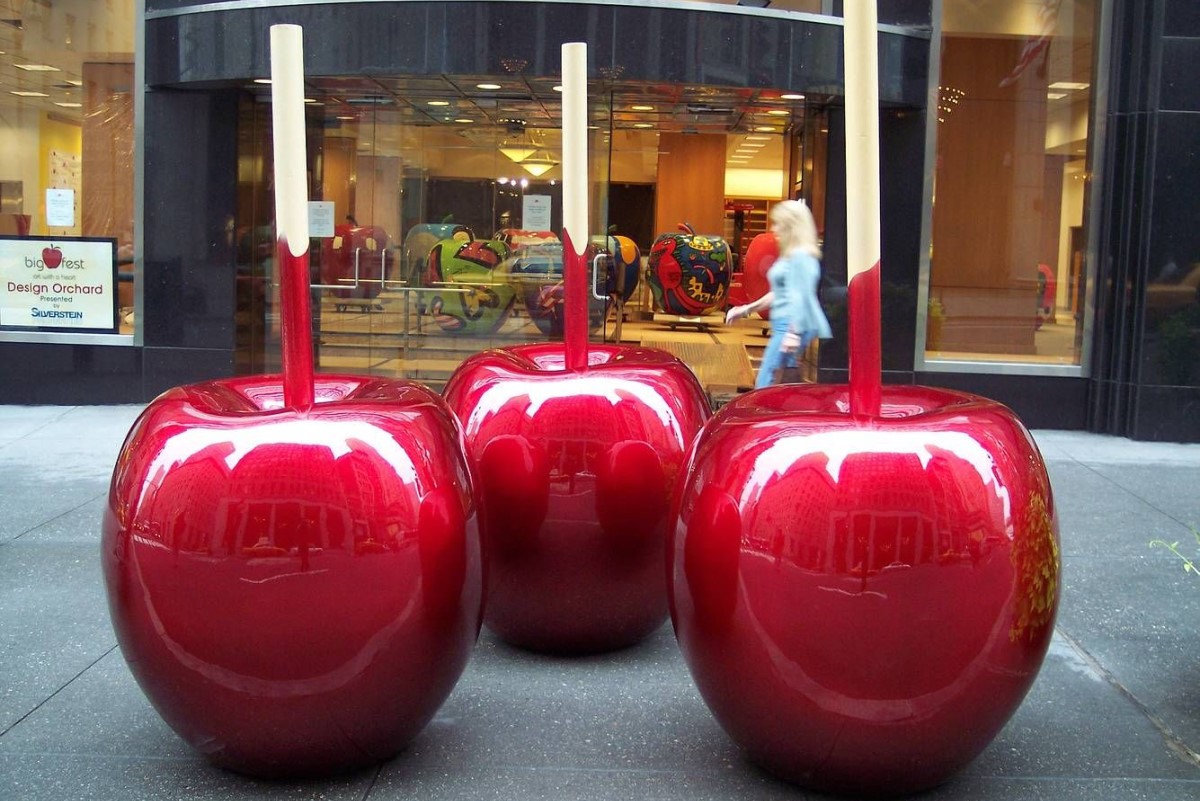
[
  {"x": 864, "y": 579},
  {"x": 293, "y": 566},
  {"x": 863, "y": 605},
  {"x": 296, "y": 591},
  {"x": 579, "y": 450},
  {"x": 576, "y": 469}
]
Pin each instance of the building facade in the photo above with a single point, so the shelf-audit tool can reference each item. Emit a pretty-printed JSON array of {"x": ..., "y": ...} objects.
[{"x": 1039, "y": 236}]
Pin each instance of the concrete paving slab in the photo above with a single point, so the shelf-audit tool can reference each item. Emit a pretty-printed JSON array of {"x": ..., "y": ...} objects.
[{"x": 55, "y": 622}]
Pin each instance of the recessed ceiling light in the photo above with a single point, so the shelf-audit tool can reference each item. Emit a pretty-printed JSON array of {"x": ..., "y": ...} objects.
[
  {"x": 438, "y": 103},
  {"x": 488, "y": 86},
  {"x": 22, "y": 93},
  {"x": 1055, "y": 95},
  {"x": 37, "y": 68},
  {"x": 753, "y": 138},
  {"x": 791, "y": 97},
  {"x": 778, "y": 112},
  {"x": 765, "y": 128},
  {"x": 309, "y": 100},
  {"x": 641, "y": 108},
  {"x": 464, "y": 120},
  {"x": 642, "y": 125},
  {"x": 262, "y": 80},
  {"x": 73, "y": 83},
  {"x": 1067, "y": 85},
  {"x": 70, "y": 105},
  {"x": 346, "y": 117}
]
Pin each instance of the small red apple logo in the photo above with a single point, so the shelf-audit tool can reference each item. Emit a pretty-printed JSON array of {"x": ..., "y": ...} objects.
[{"x": 52, "y": 257}]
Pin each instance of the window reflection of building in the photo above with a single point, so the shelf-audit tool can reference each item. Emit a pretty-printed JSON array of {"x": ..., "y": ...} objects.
[
  {"x": 287, "y": 500},
  {"x": 879, "y": 513}
]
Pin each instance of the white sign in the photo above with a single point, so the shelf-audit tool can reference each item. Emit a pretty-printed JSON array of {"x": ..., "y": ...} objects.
[
  {"x": 320, "y": 218},
  {"x": 60, "y": 283},
  {"x": 60, "y": 208},
  {"x": 535, "y": 213}
]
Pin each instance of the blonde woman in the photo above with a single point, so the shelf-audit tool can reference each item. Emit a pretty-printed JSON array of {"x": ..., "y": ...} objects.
[{"x": 796, "y": 315}]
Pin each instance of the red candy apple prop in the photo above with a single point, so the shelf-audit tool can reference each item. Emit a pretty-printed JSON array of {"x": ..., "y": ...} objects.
[
  {"x": 864, "y": 579},
  {"x": 578, "y": 453},
  {"x": 293, "y": 566}
]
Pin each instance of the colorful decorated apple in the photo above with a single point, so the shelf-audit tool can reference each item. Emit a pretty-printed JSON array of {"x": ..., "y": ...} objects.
[
  {"x": 472, "y": 293},
  {"x": 577, "y": 468},
  {"x": 51, "y": 257},
  {"x": 625, "y": 267},
  {"x": 293, "y": 566},
  {"x": 863, "y": 606},
  {"x": 297, "y": 591},
  {"x": 419, "y": 240},
  {"x": 688, "y": 273}
]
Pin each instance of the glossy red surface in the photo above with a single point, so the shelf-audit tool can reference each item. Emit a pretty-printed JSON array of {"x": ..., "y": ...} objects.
[
  {"x": 296, "y": 591},
  {"x": 577, "y": 468},
  {"x": 295, "y": 328},
  {"x": 866, "y": 351},
  {"x": 863, "y": 603}
]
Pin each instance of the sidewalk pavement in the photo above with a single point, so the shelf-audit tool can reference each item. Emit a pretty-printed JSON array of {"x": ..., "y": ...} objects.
[{"x": 1114, "y": 714}]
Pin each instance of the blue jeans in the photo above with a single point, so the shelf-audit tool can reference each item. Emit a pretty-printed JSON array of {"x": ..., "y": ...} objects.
[{"x": 773, "y": 357}]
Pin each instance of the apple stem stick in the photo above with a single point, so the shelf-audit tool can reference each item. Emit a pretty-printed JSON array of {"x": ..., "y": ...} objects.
[
  {"x": 575, "y": 204},
  {"x": 863, "y": 250},
  {"x": 291, "y": 212}
]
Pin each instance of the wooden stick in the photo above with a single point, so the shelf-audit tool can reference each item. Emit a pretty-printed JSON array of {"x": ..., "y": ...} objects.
[
  {"x": 862, "y": 205},
  {"x": 291, "y": 212},
  {"x": 575, "y": 204}
]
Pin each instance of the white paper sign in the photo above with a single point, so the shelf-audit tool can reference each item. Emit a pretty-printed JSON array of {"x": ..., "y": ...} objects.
[
  {"x": 60, "y": 208},
  {"x": 535, "y": 213},
  {"x": 320, "y": 218},
  {"x": 60, "y": 283}
]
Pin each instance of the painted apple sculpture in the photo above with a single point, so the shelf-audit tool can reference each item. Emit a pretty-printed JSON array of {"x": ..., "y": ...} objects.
[
  {"x": 576, "y": 471},
  {"x": 476, "y": 296},
  {"x": 297, "y": 592},
  {"x": 689, "y": 273},
  {"x": 625, "y": 266},
  {"x": 864, "y": 603}
]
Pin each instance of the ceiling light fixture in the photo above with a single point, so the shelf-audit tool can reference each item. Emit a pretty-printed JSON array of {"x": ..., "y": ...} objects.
[
  {"x": 438, "y": 103},
  {"x": 517, "y": 150},
  {"x": 23, "y": 93},
  {"x": 538, "y": 164},
  {"x": 778, "y": 112},
  {"x": 1067, "y": 85},
  {"x": 70, "y": 105},
  {"x": 37, "y": 68},
  {"x": 765, "y": 129},
  {"x": 487, "y": 86},
  {"x": 641, "y": 108},
  {"x": 791, "y": 97}
]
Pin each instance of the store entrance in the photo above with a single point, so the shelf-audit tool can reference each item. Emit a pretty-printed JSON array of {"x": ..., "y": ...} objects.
[{"x": 442, "y": 199}]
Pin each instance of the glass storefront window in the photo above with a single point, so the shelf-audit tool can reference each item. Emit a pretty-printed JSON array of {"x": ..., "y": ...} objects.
[
  {"x": 66, "y": 165},
  {"x": 1007, "y": 275},
  {"x": 446, "y": 199}
]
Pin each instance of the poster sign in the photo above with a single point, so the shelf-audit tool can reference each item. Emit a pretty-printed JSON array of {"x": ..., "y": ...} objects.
[
  {"x": 320, "y": 218},
  {"x": 60, "y": 208},
  {"x": 535, "y": 213},
  {"x": 58, "y": 284}
]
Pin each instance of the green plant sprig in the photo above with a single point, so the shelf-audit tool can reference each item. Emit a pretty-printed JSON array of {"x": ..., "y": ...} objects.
[{"x": 1189, "y": 564}]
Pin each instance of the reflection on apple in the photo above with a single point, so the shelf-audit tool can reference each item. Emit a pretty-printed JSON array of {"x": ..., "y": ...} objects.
[
  {"x": 297, "y": 592},
  {"x": 863, "y": 603},
  {"x": 576, "y": 470}
]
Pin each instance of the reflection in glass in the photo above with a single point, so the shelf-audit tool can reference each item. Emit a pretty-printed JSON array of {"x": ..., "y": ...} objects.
[{"x": 1007, "y": 271}]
